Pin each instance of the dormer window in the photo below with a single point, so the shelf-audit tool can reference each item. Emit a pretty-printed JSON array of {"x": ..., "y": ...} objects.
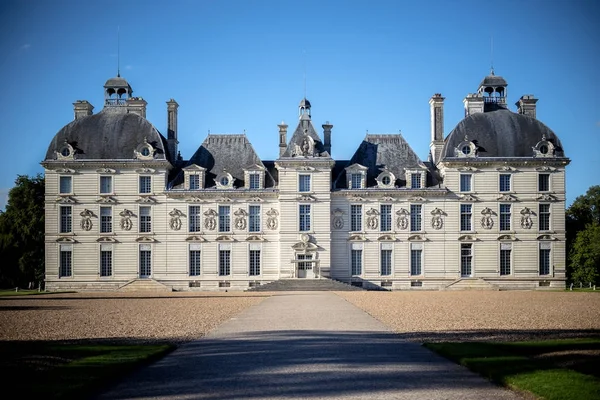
[
  {"x": 466, "y": 148},
  {"x": 193, "y": 177},
  {"x": 254, "y": 181},
  {"x": 415, "y": 179},
  {"x": 224, "y": 180},
  {"x": 66, "y": 152},
  {"x": 544, "y": 148},
  {"x": 355, "y": 181},
  {"x": 254, "y": 177},
  {"x": 144, "y": 151},
  {"x": 386, "y": 179},
  {"x": 356, "y": 176},
  {"x": 194, "y": 182}
]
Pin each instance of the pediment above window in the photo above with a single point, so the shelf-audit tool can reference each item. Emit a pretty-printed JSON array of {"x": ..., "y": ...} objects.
[
  {"x": 545, "y": 168},
  {"x": 387, "y": 199},
  {"x": 386, "y": 238},
  {"x": 195, "y": 199},
  {"x": 357, "y": 238},
  {"x": 506, "y": 168},
  {"x": 106, "y": 239},
  {"x": 146, "y": 239},
  {"x": 468, "y": 238},
  {"x": 65, "y": 171},
  {"x": 255, "y": 200},
  {"x": 224, "y": 199},
  {"x": 66, "y": 239},
  {"x": 468, "y": 197},
  {"x": 145, "y": 170},
  {"x": 146, "y": 200},
  {"x": 106, "y": 171},
  {"x": 66, "y": 200},
  {"x": 106, "y": 200},
  {"x": 356, "y": 168},
  {"x": 547, "y": 197},
  {"x": 306, "y": 197},
  {"x": 417, "y": 199},
  {"x": 467, "y": 169},
  {"x": 194, "y": 168},
  {"x": 546, "y": 238},
  {"x": 305, "y": 246},
  {"x": 255, "y": 238},
  {"x": 224, "y": 238},
  {"x": 507, "y": 238},
  {"x": 508, "y": 197},
  {"x": 305, "y": 168},
  {"x": 195, "y": 238},
  {"x": 417, "y": 238},
  {"x": 356, "y": 198}
]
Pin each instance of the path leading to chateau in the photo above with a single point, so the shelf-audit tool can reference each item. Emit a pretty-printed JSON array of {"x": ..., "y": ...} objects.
[{"x": 304, "y": 345}]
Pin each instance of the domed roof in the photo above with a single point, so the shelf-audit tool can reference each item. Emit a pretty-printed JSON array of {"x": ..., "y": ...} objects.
[
  {"x": 493, "y": 80},
  {"x": 108, "y": 136},
  {"x": 304, "y": 103},
  {"x": 117, "y": 81},
  {"x": 501, "y": 133}
]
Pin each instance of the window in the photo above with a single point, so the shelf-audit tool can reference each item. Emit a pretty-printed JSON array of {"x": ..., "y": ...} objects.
[
  {"x": 224, "y": 181},
  {"x": 254, "y": 181},
  {"x": 466, "y": 259},
  {"x": 505, "y": 216},
  {"x": 355, "y": 181},
  {"x": 194, "y": 182},
  {"x": 224, "y": 262},
  {"x": 504, "y": 182},
  {"x": 304, "y": 266},
  {"x": 355, "y": 217},
  {"x": 66, "y": 219},
  {"x": 106, "y": 184},
  {"x": 105, "y": 219},
  {"x": 224, "y": 218},
  {"x": 195, "y": 259},
  {"x": 304, "y": 217},
  {"x": 544, "y": 258},
  {"x": 304, "y": 183},
  {"x": 145, "y": 184},
  {"x": 106, "y": 258},
  {"x": 466, "y": 217},
  {"x": 254, "y": 262},
  {"x": 415, "y": 181},
  {"x": 386, "y": 180},
  {"x": 254, "y": 219},
  {"x": 544, "y": 217},
  {"x": 66, "y": 260},
  {"x": 386, "y": 261},
  {"x": 145, "y": 219},
  {"x": 465, "y": 182},
  {"x": 385, "y": 211},
  {"x": 416, "y": 258},
  {"x": 544, "y": 182},
  {"x": 505, "y": 250},
  {"x": 65, "y": 184},
  {"x": 194, "y": 219},
  {"x": 145, "y": 260},
  {"x": 356, "y": 256},
  {"x": 415, "y": 217}
]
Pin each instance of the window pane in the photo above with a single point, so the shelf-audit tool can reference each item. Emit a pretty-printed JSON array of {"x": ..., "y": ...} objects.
[
  {"x": 145, "y": 184},
  {"x": 105, "y": 263},
  {"x": 415, "y": 181},
  {"x": 355, "y": 181},
  {"x": 465, "y": 182},
  {"x": 356, "y": 217},
  {"x": 194, "y": 219},
  {"x": 304, "y": 215},
  {"x": 505, "y": 182},
  {"x": 505, "y": 262},
  {"x": 254, "y": 262},
  {"x": 544, "y": 261},
  {"x": 224, "y": 218},
  {"x": 505, "y": 217},
  {"x": 145, "y": 263},
  {"x": 65, "y": 184},
  {"x": 465, "y": 217},
  {"x": 356, "y": 259},
  {"x": 145, "y": 219},
  {"x": 194, "y": 262},
  {"x": 304, "y": 183},
  {"x": 254, "y": 181},
  {"x": 66, "y": 259},
  {"x": 386, "y": 262},
  {"x": 224, "y": 262},
  {"x": 415, "y": 217},
  {"x": 415, "y": 261},
  {"x": 194, "y": 182},
  {"x": 106, "y": 184},
  {"x": 254, "y": 219},
  {"x": 66, "y": 219},
  {"x": 105, "y": 219},
  {"x": 543, "y": 182},
  {"x": 386, "y": 217},
  {"x": 544, "y": 217},
  {"x": 466, "y": 259}
]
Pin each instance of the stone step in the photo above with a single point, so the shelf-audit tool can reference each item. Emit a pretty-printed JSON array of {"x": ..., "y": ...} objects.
[
  {"x": 304, "y": 285},
  {"x": 470, "y": 284},
  {"x": 144, "y": 285}
]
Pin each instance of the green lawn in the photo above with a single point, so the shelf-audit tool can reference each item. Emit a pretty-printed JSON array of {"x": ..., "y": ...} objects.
[
  {"x": 533, "y": 366},
  {"x": 61, "y": 371}
]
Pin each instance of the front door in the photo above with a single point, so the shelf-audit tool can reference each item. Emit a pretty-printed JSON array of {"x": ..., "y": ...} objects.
[
  {"x": 145, "y": 261},
  {"x": 305, "y": 269},
  {"x": 466, "y": 260}
]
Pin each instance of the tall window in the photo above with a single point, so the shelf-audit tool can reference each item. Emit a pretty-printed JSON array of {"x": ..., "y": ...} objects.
[
  {"x": 415, "y": 217},
  {"x": 66, "y": 219},
  {"x": 466, "y": 259},
  {"x": 224, "y": 262},
  {"x": 355, "y": 217},
  {"x": 224, "y": 218},
  {"x": 355, "y": 181},
  {"x": 106, "y": 258},
  {"x": 505, "y": 216},
  {"x": 145, "y": 260},
  {"x": 386, "y": 261},
  {"x": 504, "y": 182},
  {"x": 416, "y": 258},
  {"x": 505, "y": 250},
  {"x": 106, "y": 184},
  {"x": 356, "y": 260},
  {"x": 465, "y": 182},
  {"x": 145, "y": 184},
  {"x": 66, "y": 260},
  {"x": 145, "y": 219},
  {"x": 254, "y": 262},
  {"x": 385, "y": 211},
  {"x": 254, "y": 181},
  {"x": 254, "y": 219},
  {"x": 304, "y": 215},
  {"x": 194, "y": 182},
  {"x": 194, "y": 219},
  {"x": 304, "y": 183},
  {"x": 106, "y": 219},
  {"x": 65, "y": 184},
  {"x": 415, "y": 181},
  {"x": 544, "y": 259},
  {"x": 466, "y": 217},
  {"x": 195, "y": 259},
  {"x": 544, "y": 182},
  {"x": 544, "y": 217}
]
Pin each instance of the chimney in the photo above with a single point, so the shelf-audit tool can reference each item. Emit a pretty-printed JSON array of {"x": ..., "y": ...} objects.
[
  {"x": 137, "y": 105},
  {"x": 82, "y": 108},
  {"x": 526, "y": 105},
  {"x": 327, "y": 136},
  {"x": 436, "y": 106},
  {"x": 172, "y": 128},
  {"x": 282, "y": 138},
  {"x": 473, "y": 104}
]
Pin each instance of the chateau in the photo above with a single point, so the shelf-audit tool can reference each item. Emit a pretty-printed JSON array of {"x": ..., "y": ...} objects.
[{"x": 487, "y": 207}]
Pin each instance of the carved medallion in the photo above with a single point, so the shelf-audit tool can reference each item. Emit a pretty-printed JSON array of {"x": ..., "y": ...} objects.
[
  {"x": 486, "y": 221},
  {"x": 240, "y": 219},
  {"x": 175, "y": 222},
  {"x": 372, "y": 219},
  {"x": 272, "y": 222},
  {"x": 86, "y": 220},
  {"x": 402, "y": 219},
  {"x": 210, "y": 222},
  {"x": 526, "y": 221},
  {"x": 126, "y": 223}
]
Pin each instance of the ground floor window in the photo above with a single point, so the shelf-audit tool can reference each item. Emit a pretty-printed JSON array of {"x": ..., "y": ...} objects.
[
  {"x": 145, "y": 260},
  {"x": 386, "y": 259},
  {"x": 254, "y": 262},
  {"x": 416, "y": 256},
  {"x": 195, "y": 259},
  {"x": 66, "y": 260},
  {"x": 505, "y": 256},
  {"x": 356, "y": 261},
  {"x": 466, "y": 259},
  {"x": 302, "y": 266},
  {"x": 544, "y": 259},
  {"x": 224, "y": 260},
  {"x": 106, "y": 260}
]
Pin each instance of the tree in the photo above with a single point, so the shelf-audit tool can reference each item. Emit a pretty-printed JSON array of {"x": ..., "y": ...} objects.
[
  {"x": 22, "y": 233},
  {"x": 583, "y": 237}
]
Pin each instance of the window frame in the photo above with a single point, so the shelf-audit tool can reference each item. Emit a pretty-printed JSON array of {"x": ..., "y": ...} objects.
[
  {"x": 106, "y": 178},
  {"x": 544, "y": 217},
  {"x": 502, "y": 185},
  {"x": 548, "y": 182},
  {"x": 416, "y": 177},
  {"x": 106, "y": 270},
  {"x": 504, "y": 261},
  {"x": 304, "y": 218},
  {"x": 145, "y": 255},
  {"x": 470, "y": 183},
  {"x": 463, "y": 214},
  {"x": 416, "y": 218},
  {"x": 224, "y": 218},
  {"x": 385, "y": 219},
  {"x": 224, "y": 262},
  {"x": 254, "y": 261},
  {"x": 504, "y": 218},
  {"x": 304, "y": 183},
  {"x": 356, "y": 218},
  {"x": 466, "y": 257},
  {"x": 145, "y": 187},
  {"x": 416, "y": 270},
  {"x": 69, "y": 178},
  {"x": 356, "y": 261},
  {"x": 145, "y": 221},
  {"x": 193, "y": 182},
  {"x": 545, "y": 270},
  {"x": 254, "y": 220},
  {"x": 388, "y": 250},
  {"x": 194, "y": 218},
  {"x": 194, "y": 259},
  {"x": 106, "y": 221},
  {"x": 65, "y": 221},
  {"x": 254, "y": 181},
  {"x": 65, "y": 265},
  {"x": 353, "y": 183}
]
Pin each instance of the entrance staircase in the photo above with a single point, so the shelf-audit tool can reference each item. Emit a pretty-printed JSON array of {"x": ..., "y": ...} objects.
[
  {"x": 470, "y": 284},
  {"x": 144, "y": 285},
  {"x": 305, "y": 285}
]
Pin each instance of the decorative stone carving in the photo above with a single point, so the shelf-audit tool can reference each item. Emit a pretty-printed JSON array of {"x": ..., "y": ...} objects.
[
  {"x": 86, "y": 220},
  {"x": 337, "y": 220},
  {"x": 272, "y": 222},
  {"x": 437, "y": 222},
  {"x": 507, "y": 197},
  {"x": 526, "y": 221},
  {"x": 175, "y": 222},
  {"x": 469, "y": 197},
  {"x": 240, "y": 219},
  {"x": 546, "y": 197},
  {"x": 372, "y": 219},
  {"x": 486, "y": 221},
  {"x": 402, "y": 219},
  {"x": 126, "y": 223},
  {"x": 210, "y": 222}
]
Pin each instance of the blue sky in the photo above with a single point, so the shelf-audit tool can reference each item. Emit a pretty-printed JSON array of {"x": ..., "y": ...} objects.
[{"x": 236, "y": 66}]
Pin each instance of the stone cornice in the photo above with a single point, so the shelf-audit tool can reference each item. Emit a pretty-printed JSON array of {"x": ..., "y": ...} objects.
[
  {"x": 397, "y": 194},
  {"x": 480, "y": 162},
  {"x": 102, "y": 164},
  {"x": 301, "y": 162},
  {"x": 219, "y": 194}
]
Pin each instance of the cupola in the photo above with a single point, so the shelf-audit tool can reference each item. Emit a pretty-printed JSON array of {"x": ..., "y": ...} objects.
[
  {"x": 116, "y": 92},
  {"x": 304, "y": 109},
  {"x": 493, "y": 90}
]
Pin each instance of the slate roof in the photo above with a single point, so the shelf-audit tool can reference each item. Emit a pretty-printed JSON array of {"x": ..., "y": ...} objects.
[
  {"x": 501, "y": 133},
  {"x": 108, "y": 135},
  {"x": 117, "y": 81},
  {"x": 305, "y": 124},
  {"x": 493, "y": 80}
]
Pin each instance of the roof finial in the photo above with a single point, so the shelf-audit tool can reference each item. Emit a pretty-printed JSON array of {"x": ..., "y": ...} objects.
[
  {"x": 492, "y": 54},
  {"x": 304, "y": 51},
  {"x": 119, "y": 51}
]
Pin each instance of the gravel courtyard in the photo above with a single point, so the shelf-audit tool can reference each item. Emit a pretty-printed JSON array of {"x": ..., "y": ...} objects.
[{"x": 422, "y": 316}]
